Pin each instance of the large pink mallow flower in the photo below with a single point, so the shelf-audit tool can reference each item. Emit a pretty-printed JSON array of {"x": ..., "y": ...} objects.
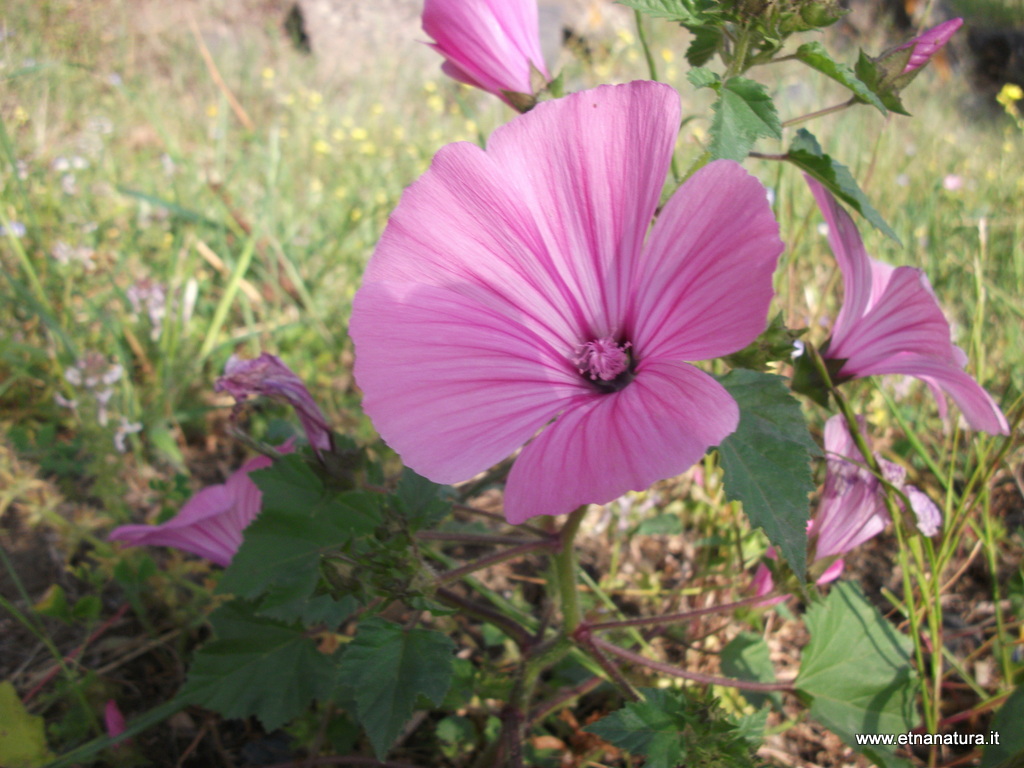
[
  {"x": 928, "y": 43},
  {"x": 493, "y": 45},
  {"x": 516, "y": 291},
  {"x": 268, "y": 376},
  {"x": 211, "y": 522},
  {"x": 891, "y": 323},
  {"x": 852, "y": 508}
]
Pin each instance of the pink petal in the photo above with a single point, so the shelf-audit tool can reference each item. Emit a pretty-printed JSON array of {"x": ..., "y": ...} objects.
[
  {"x": 852, "y": 508},
  {"x": 891, "y": 323},
  {"x": 854, "y": 262},
  {"x": 906, "y": 317},
  {"x": 607, "y": 444},
  {"x": 113, "y": 720},
  {"x": 211, "y": 522},
  {"x": 978, "y": 407},
  {"x": 831, "y": 573},
  {"x": 929, "y": 518},
  {"x": 451, "y": 384},
  {"x": 463, "y": 226},
  {"x": 928, "y": 43},
  {"x": 491, "y": 42},
  {"x": 705, "y": 279},
  {"x": 267, "y": 375},
  {"x": 763, "y": 583},
  {"x": 590, "y": 168}
]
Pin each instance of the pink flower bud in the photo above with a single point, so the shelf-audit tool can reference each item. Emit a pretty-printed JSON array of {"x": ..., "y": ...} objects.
[{"x": 928, "y": 43}]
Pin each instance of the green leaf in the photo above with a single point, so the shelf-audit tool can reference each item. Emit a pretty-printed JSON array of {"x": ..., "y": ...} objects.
[
  {"x": 647, "y": 728},
  {"x": 747, "y": 657},
  {"x": 744, "y": 113},
  {"x": 421, "y": 501},
  {"x": 805, "y": 153},
  {"x": 672, "y": 728},
  {"x": 257, "y": 666},
  {"x": 702, "y": 77},
  {"x": 857, "y": 670},
  {"x": 300, "y": 520},
  {"x": 767, "y": 461},
  {"x": 685, "y": 12},
  {"x": 1011, "y": 742},
  {"x": 387, "y": 668},
  {"x": 815, "y": 56},
  {"x": 884, "y": 79},
  {"x": 22, "y": 736},
  {"x": 704, "y": 45}
]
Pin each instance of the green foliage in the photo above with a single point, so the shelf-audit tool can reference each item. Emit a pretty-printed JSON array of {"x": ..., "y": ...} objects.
[
  {"x": 744, "y": 113},
  {"x": 689, "y": 13},
  {"x": 22, "y": 736},
  {"x": 301, "y": 520},
  {"x": 747, "y": 657},
  {"x": 775, "y": 344},
  {"x": 766, "y": 461},
  {"x": 815, "y": 56},
  {"x": 857, "y": 671},
  {"x": 675, "y": 727},
  {"x": 420, "y": 501},
  {"x": 258, "y": 666},
  {"x": 387, "y": 668},
  {"x": 1011, "y": 742},
  {"x": 806, "y": 154}
]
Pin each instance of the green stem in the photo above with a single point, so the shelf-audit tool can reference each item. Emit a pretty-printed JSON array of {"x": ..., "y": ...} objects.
[
  {"x": 565, "y": 572},
  {"x": 819, "y": 113},
  {"x": 493, "y": 559}
]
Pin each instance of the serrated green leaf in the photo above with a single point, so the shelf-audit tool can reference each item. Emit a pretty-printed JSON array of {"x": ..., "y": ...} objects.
[
  {"x": 648, "y": 728},
  {"x": 299, "y": 521},
  {"x": 387, "y": 668},
  {"x": 673, "y": 728},
  {"x": 704, "y": 45},
  {"x": 806, "y": 154},
  {"x": 22, "y": 736},
  {"x": 744, "y": 113},
  {"x": 1011, "y": 742},
  {"x": 766, "y": 461},
  {"x": 747, "y": 657},
  {"x": 702, "y": 77},
  {"x": 421, "y": 501},
  {"x": 857, "y": 670},
  {"x": 257, "y": 666},
  {"x": 686, "y": 12},
  {"x": 815, "y": 56}
]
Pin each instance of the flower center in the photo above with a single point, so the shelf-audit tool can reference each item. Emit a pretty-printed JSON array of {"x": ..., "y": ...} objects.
[{"x": 606, "y": 363}]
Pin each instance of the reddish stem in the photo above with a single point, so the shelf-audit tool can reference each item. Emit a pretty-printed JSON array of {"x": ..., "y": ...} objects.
[{"x": 700, "y": 677}]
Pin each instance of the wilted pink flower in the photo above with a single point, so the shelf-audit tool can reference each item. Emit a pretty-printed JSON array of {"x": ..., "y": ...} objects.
[
  {"x": 268, "y": 376},
  {"x": 928, "y": 43},
  {"x": 891, "y": 323},
  {"x": 852, "y": 508},
  {"x": 114, "y": 720},
  {"x": 513, "y": 293},
  {"x": 493, "y": 45},
  {"x": 211, "y": 522}
]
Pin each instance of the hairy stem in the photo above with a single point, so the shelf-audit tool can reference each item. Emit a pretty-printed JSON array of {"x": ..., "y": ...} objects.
[{"x": 565, "y": 571}]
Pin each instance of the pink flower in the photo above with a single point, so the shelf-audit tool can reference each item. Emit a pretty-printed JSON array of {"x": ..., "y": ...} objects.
[
  {"x": 267, "y": 375},
  {"x": 852, "y": 508},
  {"x": 493, "y": 45},
  {"x": 513, "y": 293},
  {"x": 928, "y": 43},
  {"x": 114, "y": 720},
  {"x": 211, "y": 522},
  {"x": 891, "y": 323}
]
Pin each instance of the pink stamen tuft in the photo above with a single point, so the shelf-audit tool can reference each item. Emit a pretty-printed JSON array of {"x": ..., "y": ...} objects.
[{"x": 602, "y": 359}]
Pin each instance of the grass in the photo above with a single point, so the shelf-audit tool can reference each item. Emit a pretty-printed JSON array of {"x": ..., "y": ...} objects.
[{"x": 251, "y": 189}]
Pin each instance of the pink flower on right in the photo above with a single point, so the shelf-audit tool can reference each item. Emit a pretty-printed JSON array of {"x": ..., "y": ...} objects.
[
  {"x": 891, "y": 323},
  {"x": 928, "y": 43}
]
